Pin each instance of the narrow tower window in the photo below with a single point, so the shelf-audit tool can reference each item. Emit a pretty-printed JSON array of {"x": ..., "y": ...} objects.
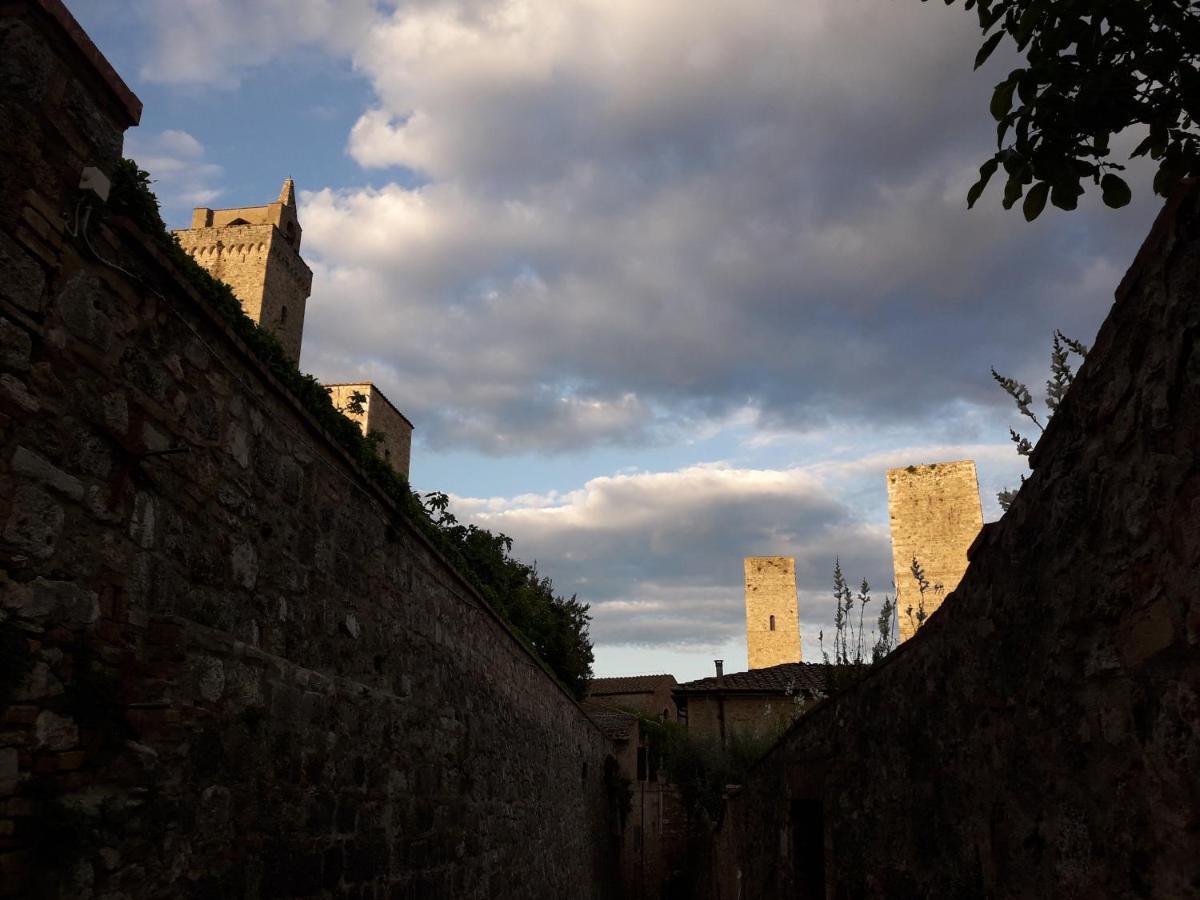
[
  {"x": 772, "y": 623},
  {"x": 283, "y": 315}
]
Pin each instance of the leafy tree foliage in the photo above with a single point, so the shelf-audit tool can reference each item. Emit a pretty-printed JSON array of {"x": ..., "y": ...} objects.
[
  {"x": 701, "y": 767},
  {"x": 1093, "y": 68},
  {"x": 556, "y": 627}
]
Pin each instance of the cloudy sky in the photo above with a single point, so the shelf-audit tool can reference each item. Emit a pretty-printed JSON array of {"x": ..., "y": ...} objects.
[{"x": 662, "y": 284}]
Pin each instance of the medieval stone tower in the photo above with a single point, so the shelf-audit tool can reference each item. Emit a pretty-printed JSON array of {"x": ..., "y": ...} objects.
[
  {"x": 935, "y": 515},
  {"x": 772, "y": 616},
  {"x": 376, "y": 413},
  {"x": 256, "y": 251}
]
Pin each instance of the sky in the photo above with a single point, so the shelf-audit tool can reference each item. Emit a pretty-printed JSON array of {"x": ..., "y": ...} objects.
[{"x": 661, "y": 284}]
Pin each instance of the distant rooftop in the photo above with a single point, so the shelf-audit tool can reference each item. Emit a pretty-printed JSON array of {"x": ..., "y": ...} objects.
[
  {"x": 616, "y": 724},
  {"x": 806, "y": 677},
  {"x": 629, "y": 684}
]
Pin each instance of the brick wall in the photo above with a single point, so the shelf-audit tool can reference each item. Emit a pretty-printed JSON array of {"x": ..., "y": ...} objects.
[
  {"x": 230, "y": 671},
  {"x": 1040, "y": 735}
]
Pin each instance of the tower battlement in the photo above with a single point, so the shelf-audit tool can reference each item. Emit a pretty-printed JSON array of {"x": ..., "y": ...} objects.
[{"x": 256, "y": 251}]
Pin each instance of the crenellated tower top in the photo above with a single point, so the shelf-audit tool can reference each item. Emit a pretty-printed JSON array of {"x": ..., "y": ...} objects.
[{"x": 256, "y": 251}]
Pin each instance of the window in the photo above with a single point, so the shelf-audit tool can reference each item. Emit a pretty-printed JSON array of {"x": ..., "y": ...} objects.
[
  {"x": 772, "y": 623},
  {"x": 283, "y": 316}
]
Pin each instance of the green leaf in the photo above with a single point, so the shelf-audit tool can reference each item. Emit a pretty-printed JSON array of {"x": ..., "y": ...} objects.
[
  {"x": 1065, "y": 194},
  {"x": 1002, "y": 99},
  {"x": 1035, "y": 200},
  {"x": 1012, "y": 191},
  {"x": 988, "y": 46},
  {"x": 986, "y": 171},
  {"x": 1116, "y": 192},
  {"x": 1165, "y": 180}
]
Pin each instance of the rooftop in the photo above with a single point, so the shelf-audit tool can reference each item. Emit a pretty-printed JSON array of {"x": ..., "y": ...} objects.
[
  {"x": 784, "y": 678},
  {"x": 630, "y": 684},
  {"x": 616, "y": 725}
]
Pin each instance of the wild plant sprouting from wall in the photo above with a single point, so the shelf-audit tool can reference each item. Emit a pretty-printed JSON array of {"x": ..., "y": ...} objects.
[
  {"x": 850, "y": 639},
  {"x": 918, "y": 615},
  {"x": 1060, "y": 379}
]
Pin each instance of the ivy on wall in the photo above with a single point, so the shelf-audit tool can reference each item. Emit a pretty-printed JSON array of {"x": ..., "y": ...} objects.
[{"x": 554, "y": 627}]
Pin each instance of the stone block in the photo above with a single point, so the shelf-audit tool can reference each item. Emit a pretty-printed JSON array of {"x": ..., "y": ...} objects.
[
  {"x": 24, "y": 281},
  {"x": 142, "y": 522},
  {"x": 244, "y": 564},
  {"x": 54, "y": 732},
  {"x": 35, "y": 522},
  {"x": 26, "y": 462},
  {"x": 17, "y": 394},
  {"x": 82, "y": 311},
  {"x": 9, "y": 766},
  {"x": 16, "y": 346},
  {"x": 58, "y": 602}
]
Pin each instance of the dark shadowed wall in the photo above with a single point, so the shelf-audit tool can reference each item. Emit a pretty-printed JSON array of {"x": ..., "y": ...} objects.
[
  {"x": 1040, "y": 736},
  {"x": 230, "y": 671}
]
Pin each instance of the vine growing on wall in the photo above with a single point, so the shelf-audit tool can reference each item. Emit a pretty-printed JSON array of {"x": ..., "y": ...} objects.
[{"x": 555, "y": 628}]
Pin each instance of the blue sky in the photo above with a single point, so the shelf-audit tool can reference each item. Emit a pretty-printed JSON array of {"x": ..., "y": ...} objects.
[{"x": 661, "y": 285}]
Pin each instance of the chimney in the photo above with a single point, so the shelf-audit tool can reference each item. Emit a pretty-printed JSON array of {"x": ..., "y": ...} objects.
[{"x": 720, "y": 664}]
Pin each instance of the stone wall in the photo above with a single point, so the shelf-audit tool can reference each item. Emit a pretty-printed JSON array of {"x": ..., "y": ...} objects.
[
  {"x": 935, "y": 515},
  {"x": 772, "y": 616},
  {"x": 718, "y": 717},
  {"x": 1040, "y": 735},
  {"x": 227, "y": 668}
]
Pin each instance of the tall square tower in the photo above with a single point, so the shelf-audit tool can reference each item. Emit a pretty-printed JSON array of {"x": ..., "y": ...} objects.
[
  {"x": 256, "y": 251},
  {"x": 772, "y": 613},
  {"x": 376, "y": 413},
  {"x": 935, "y": 516}
]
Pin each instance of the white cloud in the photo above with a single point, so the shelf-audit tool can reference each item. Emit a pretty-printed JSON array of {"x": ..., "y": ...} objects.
[
  {"x": 216, "y": 41},
  {"x": 659, "y": 554},
  {"x": 640, "y": 219},
  {"x": 182, "y": 177}
]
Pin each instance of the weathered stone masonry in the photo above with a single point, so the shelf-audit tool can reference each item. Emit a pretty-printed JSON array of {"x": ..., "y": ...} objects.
[
  {"x": 934, "y": 516},
  {"x": 1040, "y": 735},
  {"x": 242, "y": 676}
]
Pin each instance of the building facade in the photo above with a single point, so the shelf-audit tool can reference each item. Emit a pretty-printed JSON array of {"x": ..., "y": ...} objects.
[{"x": 756, "y": 704}]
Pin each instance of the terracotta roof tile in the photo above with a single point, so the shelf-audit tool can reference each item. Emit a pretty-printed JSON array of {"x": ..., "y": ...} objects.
[
  {"x": 630, "y": 684},
  {"x": 787, "y": 677},
  {"x": 615, "y": 724}
]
